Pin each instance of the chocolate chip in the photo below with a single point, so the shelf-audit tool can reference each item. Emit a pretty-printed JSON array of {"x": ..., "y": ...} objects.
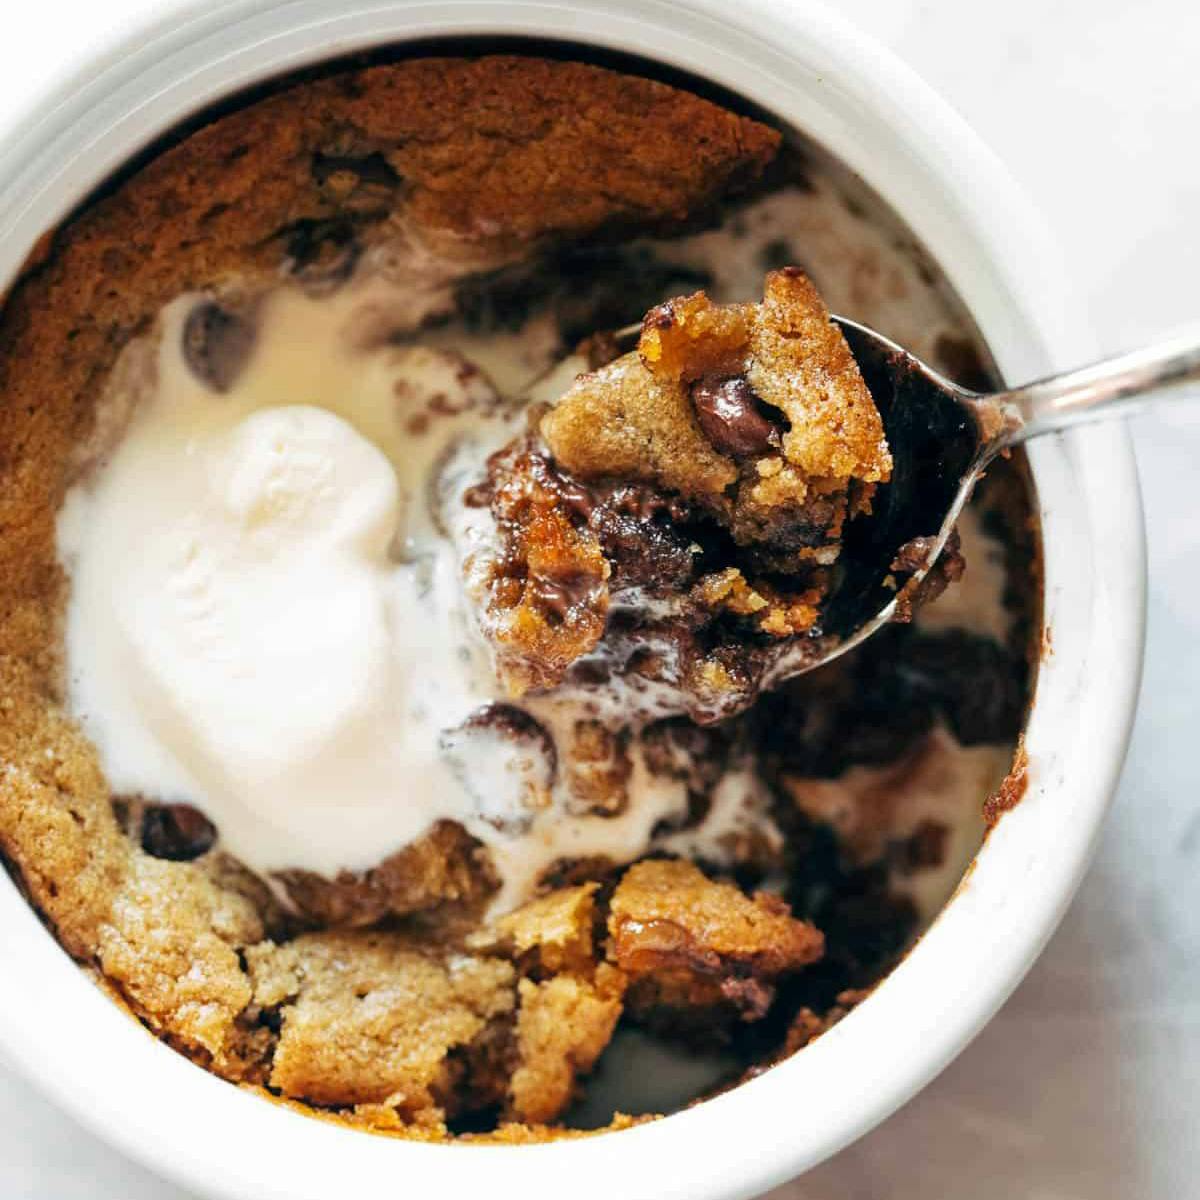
[
  {"x": 648, "y": 537},
  {"x": 177, "y": 832},
  {"x": 733, "y": 418},
  {"x": 216, "y": 344},
  {"x": 577, "y": 499},
  {"x": 556, "y": 597}
]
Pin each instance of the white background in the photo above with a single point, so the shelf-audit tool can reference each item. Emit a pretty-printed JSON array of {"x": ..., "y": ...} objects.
[{"x": 1087, "y": 1086}]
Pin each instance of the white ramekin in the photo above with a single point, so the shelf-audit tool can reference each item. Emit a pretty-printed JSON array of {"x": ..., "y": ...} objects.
[{"x": 801, "y": 63}]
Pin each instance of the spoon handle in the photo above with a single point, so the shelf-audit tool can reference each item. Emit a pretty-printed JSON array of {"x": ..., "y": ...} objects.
[{"x": 1113, "y": 387}]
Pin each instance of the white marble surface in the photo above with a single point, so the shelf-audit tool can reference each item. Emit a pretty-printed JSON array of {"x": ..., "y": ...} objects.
[{"x": 1087, "y": 1086}]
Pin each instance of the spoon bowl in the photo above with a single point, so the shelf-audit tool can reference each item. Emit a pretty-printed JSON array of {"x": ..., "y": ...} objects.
[{"x": 942, "y": 438}]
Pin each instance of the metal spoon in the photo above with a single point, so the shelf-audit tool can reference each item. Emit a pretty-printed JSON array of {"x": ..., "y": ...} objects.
[{"x": 942, "y": 438}]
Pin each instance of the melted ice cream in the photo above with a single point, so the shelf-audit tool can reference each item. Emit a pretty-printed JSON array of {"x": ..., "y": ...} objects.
[{"x": 267, "y": 617}]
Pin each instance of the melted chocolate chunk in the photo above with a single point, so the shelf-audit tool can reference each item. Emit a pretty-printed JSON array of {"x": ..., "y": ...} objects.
[
  {"x": 177, "y": 832},
  {"x": 557, "y": 597},
  {"x": 577, "y": 500},
  {"x": 647, "y": 538},
  {"x": 542, "y": 472},
  {"x": 216, "y": 344},
  {"x": 733, "y": 418}
]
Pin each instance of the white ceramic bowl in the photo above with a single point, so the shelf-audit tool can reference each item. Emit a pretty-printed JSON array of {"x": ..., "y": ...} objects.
[{"x": 799, "y": 62}]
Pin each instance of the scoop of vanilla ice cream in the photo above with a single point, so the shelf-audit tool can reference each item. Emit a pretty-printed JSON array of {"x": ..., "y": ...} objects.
[{"x": 257, "y": 632}]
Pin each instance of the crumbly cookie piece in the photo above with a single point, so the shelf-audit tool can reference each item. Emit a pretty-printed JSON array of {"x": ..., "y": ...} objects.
[
  {"x": 757, "y": 413},
  {"x": 678, "y": 517},
  {"x": 549, "y": 934},
  {"x": 165, "y": 935},
  {"x": 444, "y": 867},
  {"x": 569, "y": 999},
  {"x": 374, "y": 1018},
  {"x": 563, "y": 1026},
  {"x": 697, "y": 949}
]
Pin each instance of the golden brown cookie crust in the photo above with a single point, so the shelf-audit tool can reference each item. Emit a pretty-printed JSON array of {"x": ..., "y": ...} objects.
[{"x": 693, "y": 945}]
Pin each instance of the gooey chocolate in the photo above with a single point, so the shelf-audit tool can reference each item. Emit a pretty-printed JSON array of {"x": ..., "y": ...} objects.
[{"x": 734, "y": 418}]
